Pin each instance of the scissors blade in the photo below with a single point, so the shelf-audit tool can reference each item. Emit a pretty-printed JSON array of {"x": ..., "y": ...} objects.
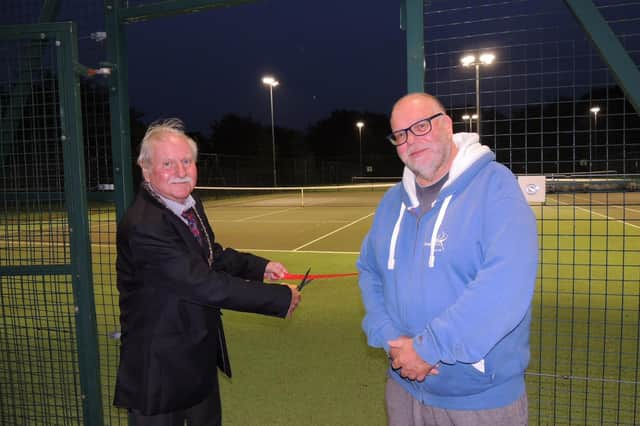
[
  {"x": 304, "y": 280},
  {"x": 302, "y": 285}
]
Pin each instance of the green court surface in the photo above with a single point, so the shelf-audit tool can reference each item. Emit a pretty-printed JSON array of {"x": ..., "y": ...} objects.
[{"x": 317, "y": 369}]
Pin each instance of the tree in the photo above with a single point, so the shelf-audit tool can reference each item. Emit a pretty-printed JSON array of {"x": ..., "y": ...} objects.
[
  {"x": 236, "y": 135},
  {"x": 337, "y": 137}
]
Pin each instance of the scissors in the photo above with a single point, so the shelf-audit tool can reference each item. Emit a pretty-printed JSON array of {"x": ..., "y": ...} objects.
[{"x": 305, "y": 281}]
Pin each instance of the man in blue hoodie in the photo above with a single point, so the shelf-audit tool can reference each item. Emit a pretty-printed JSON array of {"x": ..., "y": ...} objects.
[{"x": 447, "y": 274}]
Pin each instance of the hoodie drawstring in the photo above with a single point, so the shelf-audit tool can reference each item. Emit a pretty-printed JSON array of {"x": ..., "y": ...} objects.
[
  {"x": 436, "y": 228},
  {"x": 391, "y": 262}
]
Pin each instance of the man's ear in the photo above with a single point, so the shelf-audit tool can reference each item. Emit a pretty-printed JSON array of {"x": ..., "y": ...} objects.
[
  {"x": 449, "y": 122},
  {"x": 146, "y": 173}
]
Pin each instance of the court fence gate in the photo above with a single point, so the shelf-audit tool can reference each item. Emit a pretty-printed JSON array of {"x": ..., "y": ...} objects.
[{"x": 49, "y": 370}]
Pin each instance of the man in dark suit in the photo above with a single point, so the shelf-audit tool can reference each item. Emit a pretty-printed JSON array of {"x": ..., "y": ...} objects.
[{"x": 173, "y": 279}]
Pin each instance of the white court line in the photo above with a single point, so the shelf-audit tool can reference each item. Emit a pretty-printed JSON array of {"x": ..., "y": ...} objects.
[
  {"x": 601, "y": 215},
  {"x": 263, "y": 215},
  {"x": 334, "y": 231},
  {"x": 355, "y": 253},
  {"x": 610, "y": 205}
]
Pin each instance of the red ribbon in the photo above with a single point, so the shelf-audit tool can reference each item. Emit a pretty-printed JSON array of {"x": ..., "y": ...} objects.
[{"x": 317, "y": 276}]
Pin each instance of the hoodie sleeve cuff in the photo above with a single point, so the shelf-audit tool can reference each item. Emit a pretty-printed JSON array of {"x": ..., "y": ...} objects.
[
  {"x": 426, "y": 347},
  {"x": 388, "y": 332}
]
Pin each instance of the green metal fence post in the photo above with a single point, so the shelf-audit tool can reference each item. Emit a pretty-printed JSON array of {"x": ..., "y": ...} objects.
[
  {"x": 412, "y": 21},
  {"x": 79, "y": 239},
  {"x": 119, "y": 107}
]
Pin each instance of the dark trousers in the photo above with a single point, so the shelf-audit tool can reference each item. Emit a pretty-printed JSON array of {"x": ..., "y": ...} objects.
[{"x": 206, "y": 413}]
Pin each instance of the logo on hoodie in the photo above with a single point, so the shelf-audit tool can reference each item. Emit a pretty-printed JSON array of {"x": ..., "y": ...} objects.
[{"x": 438, "y": 243}]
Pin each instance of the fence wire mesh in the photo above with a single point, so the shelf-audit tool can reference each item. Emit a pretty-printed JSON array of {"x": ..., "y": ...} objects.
[
  {"x": 535, "y": 104},
  {"x": 38, "y": 343},
  {"x": 549, "y": 105}
]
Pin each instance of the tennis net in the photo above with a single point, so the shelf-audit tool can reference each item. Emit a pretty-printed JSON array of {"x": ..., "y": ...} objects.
[
  {"x": 592, "y": 183},
  {"x": 370, "y": 194},
  {"x": 355, "y": 195}
]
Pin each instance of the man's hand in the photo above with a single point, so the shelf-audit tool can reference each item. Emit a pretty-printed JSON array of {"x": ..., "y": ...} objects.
[
  {"x": 295, "y": 299},
  {"x": 405, "y": 359},
  {"x": 274, "y": 271}
]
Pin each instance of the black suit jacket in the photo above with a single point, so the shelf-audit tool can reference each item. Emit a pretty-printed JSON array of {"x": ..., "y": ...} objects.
[{"x": 170, "y": 301}]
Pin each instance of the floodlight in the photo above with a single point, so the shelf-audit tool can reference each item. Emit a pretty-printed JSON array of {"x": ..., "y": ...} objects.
[
  {"x": 487, "y": 58},
  {"x": 468, "y": 60}
]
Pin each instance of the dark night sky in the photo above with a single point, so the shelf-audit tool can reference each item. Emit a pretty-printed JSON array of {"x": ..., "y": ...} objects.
[{"x": 327, "y": 55}]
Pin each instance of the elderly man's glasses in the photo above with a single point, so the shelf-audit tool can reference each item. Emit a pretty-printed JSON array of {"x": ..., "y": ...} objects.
[{"x": 419, "y": 128}]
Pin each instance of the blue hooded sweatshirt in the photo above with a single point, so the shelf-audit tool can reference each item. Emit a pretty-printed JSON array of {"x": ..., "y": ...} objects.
[{"x": 459, "y": 280}]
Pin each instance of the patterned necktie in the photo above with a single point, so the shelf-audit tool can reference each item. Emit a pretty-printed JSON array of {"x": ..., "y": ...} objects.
[{"x": 192, "y": 221}]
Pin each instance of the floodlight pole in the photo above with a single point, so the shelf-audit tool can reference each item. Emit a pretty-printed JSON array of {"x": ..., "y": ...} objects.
[
  {"x": 465, "y": 118},
  {"x": 484, "y": 59},
  {"x": 478, "y": 96},
  {"x": 272, "y": 82},
  {"x": 595, "y": 110},
  {"x": 360, "y": 125},
  {"x": 273, "y": 138}
]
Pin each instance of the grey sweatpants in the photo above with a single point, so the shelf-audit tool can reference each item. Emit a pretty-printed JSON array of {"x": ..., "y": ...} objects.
[{"x": 404, "y": 410}]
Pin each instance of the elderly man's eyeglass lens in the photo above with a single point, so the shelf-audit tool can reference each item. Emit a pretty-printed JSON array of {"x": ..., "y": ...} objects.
[{"x": 419, "y": 128}]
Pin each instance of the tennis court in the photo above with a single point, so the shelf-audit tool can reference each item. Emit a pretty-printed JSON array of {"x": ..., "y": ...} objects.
[
  {"x": 584, "y": 334},
  {"x": 585, "y": 327},
  {"x": 317, "y": 368}
]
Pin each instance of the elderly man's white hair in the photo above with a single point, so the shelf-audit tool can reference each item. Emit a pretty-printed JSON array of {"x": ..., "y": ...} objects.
[{"x": 154, "y": 133}]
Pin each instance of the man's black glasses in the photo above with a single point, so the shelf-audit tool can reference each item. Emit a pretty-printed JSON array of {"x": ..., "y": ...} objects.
[{"x": 419, "y": 128}]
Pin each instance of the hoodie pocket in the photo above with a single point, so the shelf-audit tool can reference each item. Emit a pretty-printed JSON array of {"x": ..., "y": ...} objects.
[{"x": 459, "y": 380}]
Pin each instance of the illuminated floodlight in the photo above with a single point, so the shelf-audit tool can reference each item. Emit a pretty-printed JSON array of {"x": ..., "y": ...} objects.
[
  {"x": 487, "y": 58},
  {"x": 270, "y": 81},
  {"x": 468, "y": 60},
  {"x": 469, "y": 118}
]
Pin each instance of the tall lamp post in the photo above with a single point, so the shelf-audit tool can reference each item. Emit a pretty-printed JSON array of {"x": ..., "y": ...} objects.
[
  {"x": 470, "y": 119},
  {"x": 595, "y": 110},
  {"x": 360, "y": 125},
  {"x": 484, "y": 59},
  {"x": 272, "y": 82},
  {"x": 466, "y": 118}
]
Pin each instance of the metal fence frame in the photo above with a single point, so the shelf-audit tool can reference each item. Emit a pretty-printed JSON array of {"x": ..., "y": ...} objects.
[{"x": 61, "y": 38}]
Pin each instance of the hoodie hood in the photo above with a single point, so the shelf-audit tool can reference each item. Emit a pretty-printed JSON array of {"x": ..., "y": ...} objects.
[
  {"x": 470, "y": 154},
  {"x": 469, "y": 151}
]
